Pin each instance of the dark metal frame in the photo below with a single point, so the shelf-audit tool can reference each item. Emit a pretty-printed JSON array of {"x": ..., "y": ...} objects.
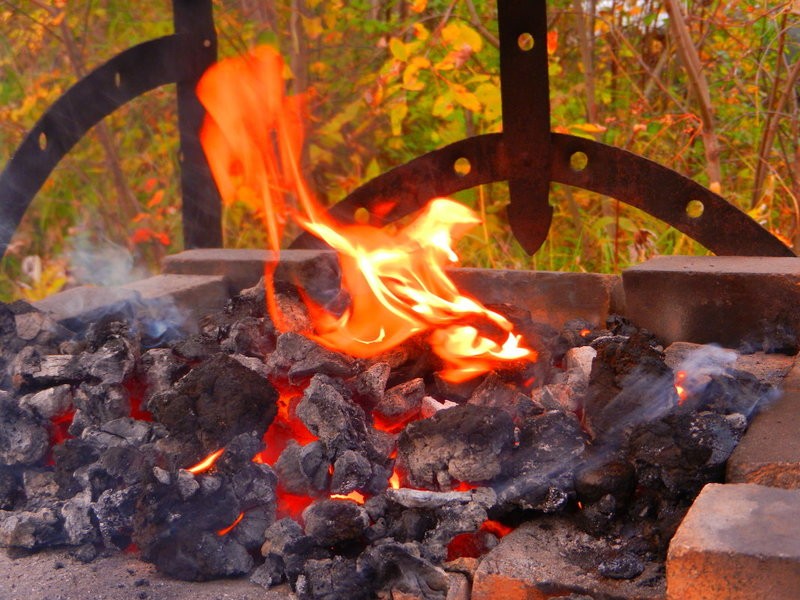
[
  {"x": 179, "y": 58},
  {"x": 527, "y": 154}
]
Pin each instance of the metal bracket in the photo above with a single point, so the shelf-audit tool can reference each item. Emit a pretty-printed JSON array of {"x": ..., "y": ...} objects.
[
  {"x": 180, "y": 58},
  {"x": 529, "y": 156}
]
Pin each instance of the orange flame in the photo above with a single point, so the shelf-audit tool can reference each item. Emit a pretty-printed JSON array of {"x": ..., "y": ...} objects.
[
  {"x": 252, "y": 137},
  {"x": 354, "y": 496},
  {"x": 394, "y": 481},
  {"x": 205, "y": 464},
  {"x": 683, "y": 394},
  {"x": 229, "y": 528}
]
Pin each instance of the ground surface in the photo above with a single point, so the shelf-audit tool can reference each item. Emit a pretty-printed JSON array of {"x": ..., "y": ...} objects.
[{"x": 54, "y": 575}]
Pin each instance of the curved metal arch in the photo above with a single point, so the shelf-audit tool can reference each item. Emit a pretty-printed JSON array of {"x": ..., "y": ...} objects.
[
  {"x": 642, "y": 183},
  {"x": 174, "y": 58}
]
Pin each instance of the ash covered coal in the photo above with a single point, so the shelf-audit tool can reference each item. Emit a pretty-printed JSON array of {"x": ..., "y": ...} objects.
[{"x": 343, "y": 476}]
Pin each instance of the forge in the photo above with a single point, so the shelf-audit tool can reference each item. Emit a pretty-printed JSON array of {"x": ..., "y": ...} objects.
[
  {"x": 316, "y": 424},
  {"x": 378, "y": 477}
]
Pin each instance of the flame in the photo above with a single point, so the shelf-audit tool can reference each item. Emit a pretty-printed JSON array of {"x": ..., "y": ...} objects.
[
  {"x": 356, "y": 497},
  {"x": 205, "y": 464},
  {"x": 680, "y": 389},
  {"x": 229, "y": 528},
  {"x": 394, "y": 480},
  {"x": 396, "y": 277}
]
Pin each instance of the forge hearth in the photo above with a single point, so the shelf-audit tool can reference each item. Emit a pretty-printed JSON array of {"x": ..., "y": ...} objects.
[{"x": 365, "y": 478}]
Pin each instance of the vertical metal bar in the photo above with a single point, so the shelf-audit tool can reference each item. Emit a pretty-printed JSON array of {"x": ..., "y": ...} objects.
[
  {"x": 202, "y": 208},
  {"x": 525, "y": 90}
]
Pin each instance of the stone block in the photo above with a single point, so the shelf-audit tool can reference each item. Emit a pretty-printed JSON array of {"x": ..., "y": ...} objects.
[
  {"x": 195, "y": 294},
  {"x": 550, "y": 297},
  {"x": 84, "y": 304},
  {"x": 769, "y": 453},
  {"x": 242, "y": 268},
  {"x": 738, "y": 542},
  {"x": 730, "y": 300}
]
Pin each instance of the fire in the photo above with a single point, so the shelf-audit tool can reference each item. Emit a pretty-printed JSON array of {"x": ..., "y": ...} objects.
[
  {"x": 229, "y": 528},
  {"x": 356, "y": 497},
  {"x": 205, "y": 464},
  {"x": 394, "y": 481},
  {"x": 396, "y": 277},
  {"x": 680, "y": 377}
]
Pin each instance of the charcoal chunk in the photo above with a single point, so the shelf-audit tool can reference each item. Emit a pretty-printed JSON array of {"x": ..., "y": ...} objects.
[
  {"x": 332, "y": 522},
  {"x": 538, "y": 474},
  {"x": 297, "y": 358},
  {"x": 218, "y": 400},
  {"x": 182, "y": 538},
  {"x": 402, "y": 401},
  {"x": 400, "y": 567},
  {"x": 332, "y": 579},
  {"x": 24, "y": 438},
  {"x": 464, "y": 443}
]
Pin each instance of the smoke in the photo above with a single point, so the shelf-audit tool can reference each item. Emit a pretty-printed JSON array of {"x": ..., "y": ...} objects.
[{"x": 96, "y": 260}]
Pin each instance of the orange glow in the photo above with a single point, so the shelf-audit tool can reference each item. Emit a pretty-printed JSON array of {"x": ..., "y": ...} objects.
[
  {"x": 354, "y": 496},
  {"x": 475, "y": 544},
  {"x": 395, "y": 276},
  {"x": 286, "y": 426},
  {"x": 496, "y": 528},
  {"x": 680, "y": 377},
  {"x": 463, "y": 486},
  {"x": 230, "y": 527},
  {"x": 205, "y": 464},
  {"x": 394, "y": 481},
  {"x": 585, "y": 332},
  {"x": 292, "y": 505}
]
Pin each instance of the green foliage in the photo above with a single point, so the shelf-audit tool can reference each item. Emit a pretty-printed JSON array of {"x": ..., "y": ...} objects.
[{"x": 388, "y": 81}]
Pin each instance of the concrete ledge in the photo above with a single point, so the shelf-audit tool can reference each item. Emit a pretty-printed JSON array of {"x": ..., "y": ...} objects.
[
  {"x": 769, "y": 453},
  {"x": 724, "y": 299},
  {"x": 550, "y": 297},
  {"x": 738, "y": 542}
]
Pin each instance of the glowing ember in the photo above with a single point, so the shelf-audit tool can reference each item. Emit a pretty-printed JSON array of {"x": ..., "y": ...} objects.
[
  {"x": 208, "y": 462},
  {"x": 585, "y": 332},
  {"x": 680, "y": 378},
  {"x": 354, "y": 496},
  {"x": 394, "y": 481},
  {"x": 476, "y": 544},
  {"x": 229, "y": 528},
  {"x": 396, "y": 279}
]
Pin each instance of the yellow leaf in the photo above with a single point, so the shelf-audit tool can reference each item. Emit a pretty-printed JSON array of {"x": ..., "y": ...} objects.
[
  {"x": 443, "y": 105},
  {"x": 313, "y": 27},
  {"x": 397, "y": 112},
  {"x": 466, "y": 98},
  {"x": 418, "y": 6},
  {"x": 488, "y": 95},
  {"x": 398, "y": 49},
  {"x": 411, "y": 80},
  {"x": 460, "y": 35},
  {"x": 421, "y": 32}
]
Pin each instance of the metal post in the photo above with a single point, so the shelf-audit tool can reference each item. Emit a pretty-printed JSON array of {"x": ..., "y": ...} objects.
[{"x": 202, "y": 209}]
